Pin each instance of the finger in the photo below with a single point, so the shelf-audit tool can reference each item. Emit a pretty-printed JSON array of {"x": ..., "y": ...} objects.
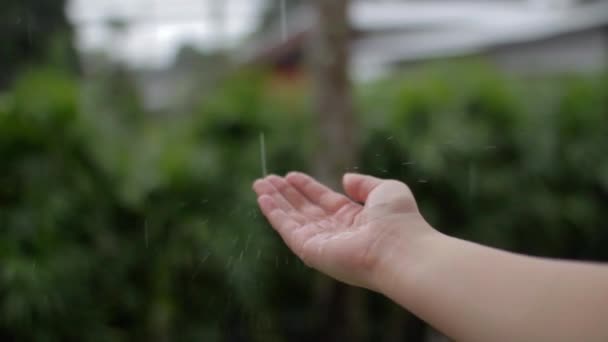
[
  {"x": 317, "y": 193},
  {"x": 359, "y": 186},
  {"x": 375, "y": 191},
  {"x": 279, "y": 219},
  {"x": 295, "y": 198},
  {"x": 264, "y": 187}
]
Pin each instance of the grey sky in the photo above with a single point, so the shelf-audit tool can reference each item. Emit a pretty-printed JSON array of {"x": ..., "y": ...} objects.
[{"x": 158, "y": 27}]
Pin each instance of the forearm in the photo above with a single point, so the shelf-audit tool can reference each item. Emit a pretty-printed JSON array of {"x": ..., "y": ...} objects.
[{"x": 476, "y": 293}]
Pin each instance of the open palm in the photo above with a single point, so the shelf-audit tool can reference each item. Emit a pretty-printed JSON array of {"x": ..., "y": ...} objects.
[{"x": 334, "y": 233}]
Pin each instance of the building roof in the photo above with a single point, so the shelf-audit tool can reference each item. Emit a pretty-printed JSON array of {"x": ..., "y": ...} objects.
[
  {"x": 454, "y": 28},
  {"x": 399, "y": 31}
]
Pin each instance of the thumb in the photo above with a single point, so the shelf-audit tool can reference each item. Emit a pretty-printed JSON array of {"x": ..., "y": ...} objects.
[
  {"x": 397, "y": 194},
  {"x": 358, "y": 186}
]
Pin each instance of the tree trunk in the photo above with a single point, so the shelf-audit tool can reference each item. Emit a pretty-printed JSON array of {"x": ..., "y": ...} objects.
[
  {"x": 344, "y": 318},
  {"x": 333, "y": 91}
]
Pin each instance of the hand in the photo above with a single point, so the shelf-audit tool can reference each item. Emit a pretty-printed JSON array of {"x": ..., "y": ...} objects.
[{"x": 336, "y": 234}]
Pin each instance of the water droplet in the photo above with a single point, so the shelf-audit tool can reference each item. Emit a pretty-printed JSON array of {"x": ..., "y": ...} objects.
[
  {"x": 263, "y": 154},
  {"x": 229, "y": 263},
  {"x": 247, "y": 242},
  {"x": 423, "y": 181},
  {"x": 472, "y": 188},
  {"x": 146, "y": 232},
  {"x": 205, "y": 257},
  {"x": 284, "y": 20},
  {"x": 198, "y": 266}
]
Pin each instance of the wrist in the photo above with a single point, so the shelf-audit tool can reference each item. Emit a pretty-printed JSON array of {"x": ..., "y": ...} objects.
[{"x": 405, "y": 256}]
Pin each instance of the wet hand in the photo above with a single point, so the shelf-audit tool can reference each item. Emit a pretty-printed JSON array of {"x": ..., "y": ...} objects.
[{"x": 346, "y": 237}]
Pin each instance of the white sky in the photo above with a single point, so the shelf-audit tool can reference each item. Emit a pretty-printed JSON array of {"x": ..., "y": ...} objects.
[{"x": 157, "y": 28}]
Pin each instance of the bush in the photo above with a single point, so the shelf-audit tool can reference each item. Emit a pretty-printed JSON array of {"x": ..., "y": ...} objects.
[{"x": 120, "y": 226}]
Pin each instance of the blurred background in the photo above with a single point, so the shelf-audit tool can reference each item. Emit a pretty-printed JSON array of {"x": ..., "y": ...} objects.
[{"x": 131, "y": 131}]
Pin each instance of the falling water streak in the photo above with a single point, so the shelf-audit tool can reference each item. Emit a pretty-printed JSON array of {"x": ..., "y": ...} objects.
[
  {"x": 263, "y": 154},
  {"x": 472, "y": 188},
  {"x": 284, "y": 19},
  {"x": 247, "y": 242},
  {"x": 229, "y": 263},
  {"x": 28, "y": 26},
  {"x": 146, "y": 232},
  {"x": 199, "y": 265}
]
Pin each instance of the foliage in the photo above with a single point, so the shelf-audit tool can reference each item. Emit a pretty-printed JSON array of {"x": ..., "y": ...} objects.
[
  {"x": 34, "y": 32},
  {"x": 519, "y": 164},
  {"x": 118, "y": 226}
]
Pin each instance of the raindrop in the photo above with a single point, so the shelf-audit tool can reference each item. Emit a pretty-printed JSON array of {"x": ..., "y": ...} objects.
[
  {"x": 146, "y": 232},
  {"x": 247, "y": 242},
  {"x": 390, "y": 138},
  {"x": 263, "y": 154},
  {"x": 205, "y": 257},
  {"x": 211, "y": 301},
  {"x": 229, "y": 263},
  {"x": 472, "y": 188},
  {"x": 284, "y": 19},
  {"x": 29, "y": 31},
  {"x": 198, "y": 266},
  {"x": 423, "y": 181}
]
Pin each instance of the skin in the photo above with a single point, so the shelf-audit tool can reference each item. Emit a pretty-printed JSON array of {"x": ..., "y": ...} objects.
[{"x": 375, "y": 237}]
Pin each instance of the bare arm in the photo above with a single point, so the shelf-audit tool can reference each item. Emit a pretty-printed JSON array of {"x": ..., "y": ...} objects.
[
  {"x": 475, "y": 293},
  {"x": 376, "y": 238}
]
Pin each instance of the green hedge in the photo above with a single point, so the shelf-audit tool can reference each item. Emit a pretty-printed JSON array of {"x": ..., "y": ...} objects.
[{"x": 119, "y": 226}]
